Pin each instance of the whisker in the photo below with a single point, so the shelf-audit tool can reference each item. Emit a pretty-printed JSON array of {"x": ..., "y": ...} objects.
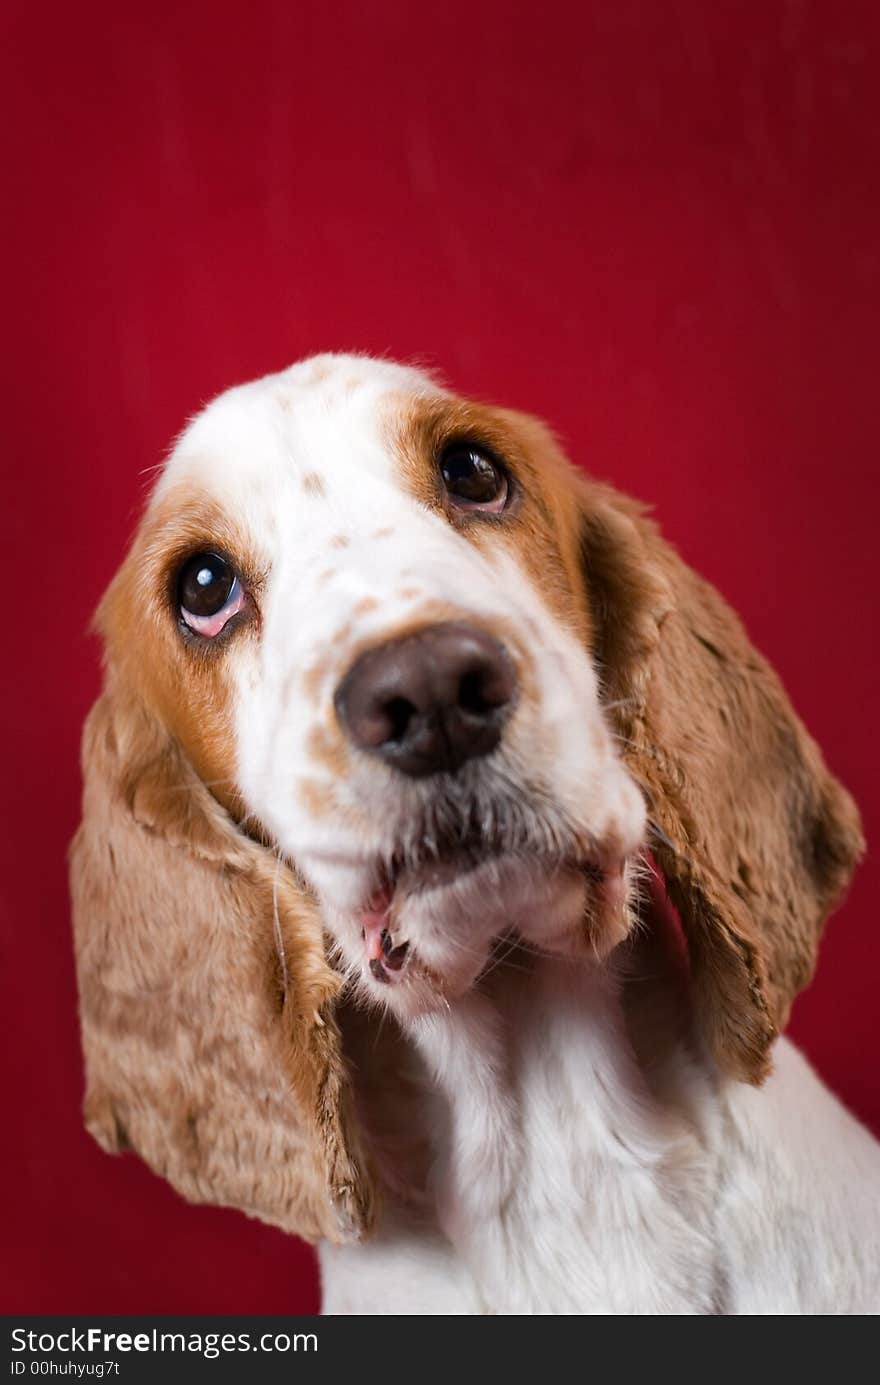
[{"x": 276, "y": 925}]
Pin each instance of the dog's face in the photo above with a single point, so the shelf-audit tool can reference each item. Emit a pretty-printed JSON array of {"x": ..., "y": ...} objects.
[
  {"x": 371, "y": 598},
  {"x": 389, "y": 683}
]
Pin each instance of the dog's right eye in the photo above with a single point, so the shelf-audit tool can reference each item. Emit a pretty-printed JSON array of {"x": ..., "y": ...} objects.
[
  {"x": 209, "y": 593},
  {"x": 473, "y": 480}
]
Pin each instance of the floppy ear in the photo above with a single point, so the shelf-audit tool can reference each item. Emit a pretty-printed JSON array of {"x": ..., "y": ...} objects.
[
  {"x": 206, "y": 1003},
  {"x": 756, "y": 839}
]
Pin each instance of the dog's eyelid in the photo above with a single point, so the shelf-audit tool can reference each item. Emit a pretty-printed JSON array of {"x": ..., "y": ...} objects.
[
  {"x": 471, "y": 442},
  {"x": 209, "y": 646}
]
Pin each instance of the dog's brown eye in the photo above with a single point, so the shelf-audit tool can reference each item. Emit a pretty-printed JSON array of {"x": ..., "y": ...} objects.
[
  {"x": 209, "y": 593},
  {"x": 473, "y": 480},
  {"x": 205, "y": 583}
]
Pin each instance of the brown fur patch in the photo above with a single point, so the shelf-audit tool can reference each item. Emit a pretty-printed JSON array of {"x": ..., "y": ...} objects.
[
  {"x": 542, "y": 524},
  {"x": 206, "y": 1003},
  {"x": 313, "y": 484},
  {"x": 317, "y": 798},
  {"x": 314, "y": 677},
  {"x": 340, "y": 541},
  {"x": 328, "y": 749},
  {"x": 185, "y": 681},
  {"x": 757, "y": 840}
]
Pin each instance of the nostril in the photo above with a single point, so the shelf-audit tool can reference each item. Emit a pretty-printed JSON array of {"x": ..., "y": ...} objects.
[
  {"x": 484, "y": 689},
  {"x": 399, "y": 713},
  {"x": 476, "y": 693},
  {"x": 470, "y": 693}
]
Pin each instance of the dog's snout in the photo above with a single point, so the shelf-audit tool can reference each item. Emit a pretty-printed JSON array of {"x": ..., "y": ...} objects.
[{"x": 428, "y": 702}]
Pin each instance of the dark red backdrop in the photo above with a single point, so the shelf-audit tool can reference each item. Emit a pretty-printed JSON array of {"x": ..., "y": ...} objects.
[{"x": 658, "y": 225}]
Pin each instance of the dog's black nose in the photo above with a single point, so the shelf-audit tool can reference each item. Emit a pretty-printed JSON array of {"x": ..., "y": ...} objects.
[{"x": 428, "y": 702}]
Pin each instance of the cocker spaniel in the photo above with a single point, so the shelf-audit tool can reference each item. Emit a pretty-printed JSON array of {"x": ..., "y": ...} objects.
[{"x": 370, "y": 943}]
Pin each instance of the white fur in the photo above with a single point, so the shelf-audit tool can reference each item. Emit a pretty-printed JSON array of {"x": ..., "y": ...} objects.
[
  {"x": 563, "y": 1185},
  {"x": 561, "y": 1182}
]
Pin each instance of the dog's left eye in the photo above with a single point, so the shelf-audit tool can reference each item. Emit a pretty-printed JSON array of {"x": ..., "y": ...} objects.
[
  {"x": 473, "y": 480},
  {"x": 209, "y": 593}
]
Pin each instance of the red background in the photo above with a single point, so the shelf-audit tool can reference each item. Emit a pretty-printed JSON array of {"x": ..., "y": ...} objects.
[{"x": 657, "y": 225}]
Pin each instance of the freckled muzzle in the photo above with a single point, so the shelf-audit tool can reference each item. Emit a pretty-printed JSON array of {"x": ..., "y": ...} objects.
[{"x": 430, "y": 701}]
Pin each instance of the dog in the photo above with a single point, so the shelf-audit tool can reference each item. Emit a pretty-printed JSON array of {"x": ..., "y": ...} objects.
[{"x": 410, "y": 735}]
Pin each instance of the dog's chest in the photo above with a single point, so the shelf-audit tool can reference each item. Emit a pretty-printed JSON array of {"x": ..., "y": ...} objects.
[{"x": 559, "y": 1181}]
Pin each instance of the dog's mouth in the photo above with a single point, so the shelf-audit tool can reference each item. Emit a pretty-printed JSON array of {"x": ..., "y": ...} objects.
[
  {"x": 385, "y": 958},
  {"x": 389, "y": 953}
]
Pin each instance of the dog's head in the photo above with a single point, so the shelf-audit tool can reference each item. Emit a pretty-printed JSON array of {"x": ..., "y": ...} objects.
[{"x": 388, "y": 682}]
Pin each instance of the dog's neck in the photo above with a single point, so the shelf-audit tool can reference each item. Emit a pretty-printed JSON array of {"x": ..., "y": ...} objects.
[{"x": 550, "y": 1120}]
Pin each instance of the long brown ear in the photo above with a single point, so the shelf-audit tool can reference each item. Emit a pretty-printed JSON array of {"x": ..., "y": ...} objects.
[
  {"x": 756, "y": 839},
  {"x": 206, "y": 1003}
]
